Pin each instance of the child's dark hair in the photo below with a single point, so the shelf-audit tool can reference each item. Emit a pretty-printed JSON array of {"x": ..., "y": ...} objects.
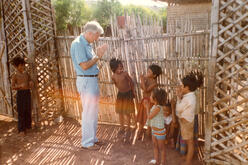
[
  {"x": 156, "y": 70},
  {"x": 114, "y": 63},
  {"x": 17, "y": 61},
  {"x": 193, "y": 80},
  {"x": 159, "y": 95}
]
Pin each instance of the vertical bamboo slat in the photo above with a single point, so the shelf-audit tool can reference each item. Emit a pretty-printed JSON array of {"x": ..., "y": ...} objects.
[
  {"x": 5, "y": 84},
  {"x": 211, "y": 77}
]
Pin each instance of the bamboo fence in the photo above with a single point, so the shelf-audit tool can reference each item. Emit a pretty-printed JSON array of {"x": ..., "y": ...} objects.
[{"x": 138, "y": 45}]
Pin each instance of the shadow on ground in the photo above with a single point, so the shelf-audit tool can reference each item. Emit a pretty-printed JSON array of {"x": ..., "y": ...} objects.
[{"x": 60, "y": 144}]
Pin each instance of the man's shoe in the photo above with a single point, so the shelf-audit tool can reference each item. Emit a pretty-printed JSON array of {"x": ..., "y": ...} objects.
[
  {"x": 100, "y": 143},
  {"x": 94, "y": 147}
]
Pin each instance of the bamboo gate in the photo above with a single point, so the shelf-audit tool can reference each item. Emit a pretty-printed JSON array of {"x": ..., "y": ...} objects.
[{"x": 29, "y": 32}]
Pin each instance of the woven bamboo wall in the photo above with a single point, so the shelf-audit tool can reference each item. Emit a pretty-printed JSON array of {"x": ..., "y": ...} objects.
[
  {"x": 227, "y": 120},
  {"x": 188, "y": 17},
  {"x": 29, "y": 33},
  {"x": 13, "y": 22},
  {"x": 138, "y": 46}
]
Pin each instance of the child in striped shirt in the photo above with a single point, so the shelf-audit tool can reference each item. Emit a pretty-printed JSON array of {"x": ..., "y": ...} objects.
[{"x": 156, "y": 121}]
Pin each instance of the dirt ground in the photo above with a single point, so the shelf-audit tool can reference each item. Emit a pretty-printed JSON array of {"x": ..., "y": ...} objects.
[{"x": 60, "y": 144}]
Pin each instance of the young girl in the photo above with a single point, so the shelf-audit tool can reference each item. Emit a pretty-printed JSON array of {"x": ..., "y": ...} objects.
[
  {"x": 156, "y": 121},
  {"x": 185, "y": 110},
  {"x": 170, "y": 124},
  {"x": 22, "y": 83},
  {"x": 148, "y": 83},
  {"x": 124, "y": 103},
  {"x": 167, "y": 122}
]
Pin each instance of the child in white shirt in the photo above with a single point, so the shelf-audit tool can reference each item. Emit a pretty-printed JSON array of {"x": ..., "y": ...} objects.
[{"x": 185, "y": 109}]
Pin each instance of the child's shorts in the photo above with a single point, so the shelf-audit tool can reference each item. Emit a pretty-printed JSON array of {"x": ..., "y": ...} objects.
[
  {"x": 160, "y": 135},
  {"x": 187, "y": 129}
]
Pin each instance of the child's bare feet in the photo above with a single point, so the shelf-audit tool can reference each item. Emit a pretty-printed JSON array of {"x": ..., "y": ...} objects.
[
  {"x": 128, "y": 134},
  {"x": 22, "y": 134},
  {"x": 139, "y": 134}
]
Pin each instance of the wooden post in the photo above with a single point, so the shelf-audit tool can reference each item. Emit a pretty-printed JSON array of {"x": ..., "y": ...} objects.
[
  {"x": 31, "y": 56},
  {"x": 211, "y": 80},
  {"x": 62, "y": 108},
  {"x": 6, "y": 75}
]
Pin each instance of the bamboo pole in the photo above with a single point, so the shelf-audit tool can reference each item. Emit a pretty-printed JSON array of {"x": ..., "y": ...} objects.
[
  {"x": 6, "y": 105},
  {"x": 211, "y": 76},
  {"x": 5, "y": 66}
]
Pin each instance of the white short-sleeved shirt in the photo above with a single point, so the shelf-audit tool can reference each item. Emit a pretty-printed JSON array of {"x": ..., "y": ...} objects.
[
  {"x": 168, "y": 119},
  {"x": 185, "y": 108}
]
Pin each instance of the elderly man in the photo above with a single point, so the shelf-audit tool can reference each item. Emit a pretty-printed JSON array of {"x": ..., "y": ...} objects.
[{"x": 85, "y": 63}]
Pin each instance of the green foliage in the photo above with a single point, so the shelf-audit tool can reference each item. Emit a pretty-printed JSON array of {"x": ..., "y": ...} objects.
[
  {"x": 104, "y": 9},
  {"x": 163, "y": 15},
  {"x": 62, "y": 10},
  {"x": 143, "y": 12},
  {"x": 75, "y": 13},
  {"x": 146, "y": 13},
  {"x": 80, "y": 13},
  {"x": 70, "y": 12}
]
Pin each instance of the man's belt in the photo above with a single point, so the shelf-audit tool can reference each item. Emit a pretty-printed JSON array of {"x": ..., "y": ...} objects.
[{"x": 88, "y": 75}]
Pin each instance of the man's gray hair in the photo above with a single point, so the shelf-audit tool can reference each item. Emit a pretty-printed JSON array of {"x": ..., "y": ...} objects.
[{"x": 93, "y": 27}]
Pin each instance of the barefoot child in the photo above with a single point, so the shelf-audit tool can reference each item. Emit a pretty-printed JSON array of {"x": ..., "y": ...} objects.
[
  {"x": 124, "y": 103},
  {"x": 148, "y": 83},
  {"x": 22, "y": 83},
  {"x": 185, "y": 110},
  {"x": 170, "y": 124},
  {"x": 167, "y": 122},
  {"x": 156, "y": 121}
]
